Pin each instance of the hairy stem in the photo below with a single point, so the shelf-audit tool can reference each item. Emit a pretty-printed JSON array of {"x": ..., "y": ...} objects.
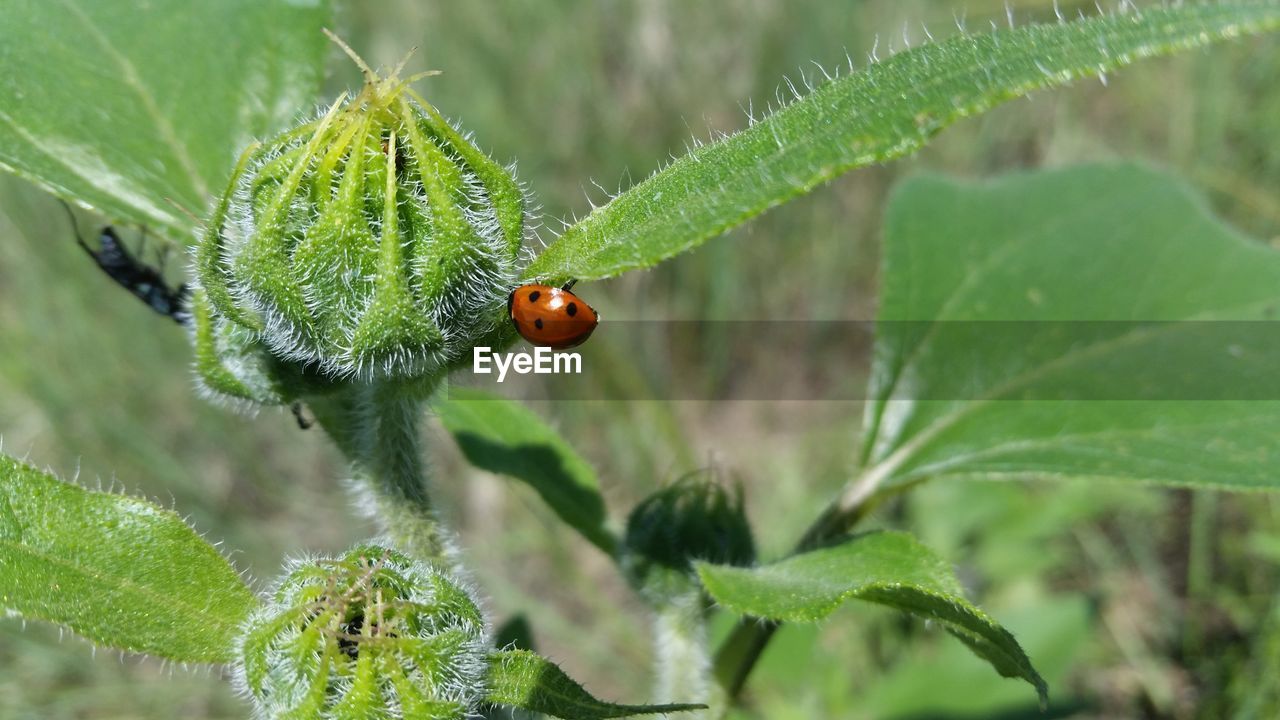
[
  {"x": 683, "y": 657},
  {"x": 377, "y": 426}
]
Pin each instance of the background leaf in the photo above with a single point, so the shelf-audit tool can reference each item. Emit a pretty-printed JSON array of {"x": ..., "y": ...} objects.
[
  {"x": 887, "y": 568},
  {"x": 1002, "y": 302},
  {"x": 515, "y": 633},
  {"x": 886, "y": 111},
  {"x": 504, "y": 437},
  {"x": 523, "y": 679},
  {"x": 115, "y": 569},
  {"x": 131, "y": 108}
]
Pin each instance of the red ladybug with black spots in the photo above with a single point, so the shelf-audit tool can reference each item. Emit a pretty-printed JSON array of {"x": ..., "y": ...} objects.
[{"x": 551, "y": 316}]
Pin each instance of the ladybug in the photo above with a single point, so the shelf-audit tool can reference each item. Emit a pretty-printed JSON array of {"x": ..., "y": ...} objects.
[{"x": 551, "y": 316}]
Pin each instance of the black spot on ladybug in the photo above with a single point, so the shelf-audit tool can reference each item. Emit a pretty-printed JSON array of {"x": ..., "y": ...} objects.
[
  {"x": 533, "y": 296},
  {"x": 538, "y": 322},
  {"x": 572, "y": 309}
]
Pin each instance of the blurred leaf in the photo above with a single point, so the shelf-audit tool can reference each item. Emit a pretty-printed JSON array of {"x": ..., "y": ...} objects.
[
  {"x": 946, "y": 684},
  {"x": 504, "y": 437},
  {"x": 886, "y": 111},
  {"x": 887, "y": 568},
  {"x": 1095, "y": 322},
  {"x": 694, "y": 518},
  {"x": 132, "y": 108},
  {"x": 118, "y": 570},
  {"x": 522, "y": 679},
  {"x": 516, "y": 633}
]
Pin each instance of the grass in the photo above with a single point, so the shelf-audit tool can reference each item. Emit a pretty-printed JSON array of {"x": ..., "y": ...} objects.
[{"x": 579, "y": 90}]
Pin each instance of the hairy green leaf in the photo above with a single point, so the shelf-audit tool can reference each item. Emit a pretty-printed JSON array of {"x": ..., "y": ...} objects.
[
  {"x": 504, "y": 437},
  {"x": 887, "y": 568},
  {"x": 118, "y": 570},
  {"x": 139, "y": 110},
  {"x": 1093, "y": 322},
  {"x": 522, "y": 679},
  {"x": 888, "y": 110}
]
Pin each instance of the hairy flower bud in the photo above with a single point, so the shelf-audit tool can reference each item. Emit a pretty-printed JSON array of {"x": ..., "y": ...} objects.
[
  {"x": 374, "y": 241},
  {"x": 695, "y": 518},
  {"x": 372, "y": 634}
]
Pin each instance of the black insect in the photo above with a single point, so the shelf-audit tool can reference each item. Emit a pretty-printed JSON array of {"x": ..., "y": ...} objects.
[
  {"x": 299, "y": 414},
  {"x": 146, "y": 282}
]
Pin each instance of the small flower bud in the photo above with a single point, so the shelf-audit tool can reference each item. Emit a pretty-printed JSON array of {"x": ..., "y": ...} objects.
[
  {"x": 375, "y": 241},
  {"x": 695, "y": 518},
  {"x": 371, "y": 634}
]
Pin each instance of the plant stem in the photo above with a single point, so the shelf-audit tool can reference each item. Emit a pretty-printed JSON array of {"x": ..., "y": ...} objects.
[
  {"x": 377, "y": 426},
  {"x": 683, "y": 657},
  {"x": 740, "y": 651},
  {"x": 1200, "y": 541}
]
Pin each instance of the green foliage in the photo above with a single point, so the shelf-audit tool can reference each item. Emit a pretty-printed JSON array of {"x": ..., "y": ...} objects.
[
  {"x": 945, "y": 682},
  {"x": 935, "y": 411},
  {"x": 883, "y": 112},
  {"x": 382, "y": 245},
  {"x": 371, "y": 634},
  {"x": 118, "y": 570},
  {"x": 504, "y": 437},
  {"x": 522, "y": 679},
  {"x": 133, "y": 110},
  {"x": 694, "y": 518},
  {"x": 1091, "y": 267},
  {"x": 887, "y": 568}
]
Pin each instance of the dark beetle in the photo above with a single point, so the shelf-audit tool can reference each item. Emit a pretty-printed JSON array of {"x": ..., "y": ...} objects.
[
  {"x": 144, "y": 281},
  {"x": 147, "y": 283}
]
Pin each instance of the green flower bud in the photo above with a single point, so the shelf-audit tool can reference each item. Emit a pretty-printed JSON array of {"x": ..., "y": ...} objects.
[
  {"x": 695, "y": 518},
  {"x": 372, "y": 634},
  {"x": 374, "y": 241}
]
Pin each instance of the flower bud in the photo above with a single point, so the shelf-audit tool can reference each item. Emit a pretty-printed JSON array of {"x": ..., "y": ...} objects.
[
  {"x": 695, "y": 518},
  {"x": 375, "y": 241},
  {"x": 372, "y": 634}
]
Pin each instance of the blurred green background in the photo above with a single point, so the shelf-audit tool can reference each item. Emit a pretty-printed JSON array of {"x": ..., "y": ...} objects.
[{"x": 1132, "y": 602}]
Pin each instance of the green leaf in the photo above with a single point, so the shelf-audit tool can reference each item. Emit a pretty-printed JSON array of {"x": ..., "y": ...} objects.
[
  {"x": 943, "y": 683},
  {"x": 504, "y": 437},
  {"x": 887, "y": 568},
  {"x": 886, "y": 111},
  {"x": 132, "y": 109},
  {"x": 118, "y": 570},
  {"x": 522, "y": 679},
  {"x": 1029, "y": 327}
]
